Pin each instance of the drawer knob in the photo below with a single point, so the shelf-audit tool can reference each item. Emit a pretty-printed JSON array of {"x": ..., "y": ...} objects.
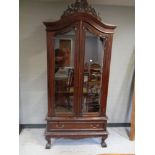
[{"x": 60, "y": 126}]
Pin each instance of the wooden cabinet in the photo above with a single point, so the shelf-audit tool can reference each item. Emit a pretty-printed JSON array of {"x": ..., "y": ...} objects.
[{"x": 78, "y": 59}]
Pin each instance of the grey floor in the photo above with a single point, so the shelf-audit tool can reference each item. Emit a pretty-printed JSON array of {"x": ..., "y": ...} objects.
[{"x": 32, "y": 142}]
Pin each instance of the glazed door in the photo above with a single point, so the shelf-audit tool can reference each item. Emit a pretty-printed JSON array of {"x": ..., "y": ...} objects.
[
  {"x": 65, "y": 71},
  {"x": 92, "y": 71}
]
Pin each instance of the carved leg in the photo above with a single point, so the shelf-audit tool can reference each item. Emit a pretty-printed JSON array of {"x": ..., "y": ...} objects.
[
  {"x": 48, "y": 145},
  {"x": 103, "y": 144}
]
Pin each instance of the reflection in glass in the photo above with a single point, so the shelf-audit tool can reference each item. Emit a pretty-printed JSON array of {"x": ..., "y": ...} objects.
[
  {"x": 93, "y": 66},
  {"x": 64, "y": 72}
]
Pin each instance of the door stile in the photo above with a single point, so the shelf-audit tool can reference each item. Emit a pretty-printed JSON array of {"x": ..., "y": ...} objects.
[
  {"x": 81, "y": 65},
  {"x": 76, "y": 72}
]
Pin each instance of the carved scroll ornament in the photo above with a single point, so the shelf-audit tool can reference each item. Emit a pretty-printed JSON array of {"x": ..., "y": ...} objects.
[{"x": 81, "y": 6}]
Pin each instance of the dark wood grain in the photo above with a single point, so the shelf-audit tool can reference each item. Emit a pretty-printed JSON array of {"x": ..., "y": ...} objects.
[
  {"x": 106, "y": 73},
  {"x": 50, "y": 72}
]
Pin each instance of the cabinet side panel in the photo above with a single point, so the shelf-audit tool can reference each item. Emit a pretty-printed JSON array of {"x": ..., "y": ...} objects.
[
  {"x": 106, "y": 72},
  {"x": 50, "y": 70}
]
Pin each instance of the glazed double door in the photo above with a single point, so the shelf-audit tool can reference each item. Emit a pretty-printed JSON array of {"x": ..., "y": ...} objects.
[{"x": 77, "y": 64}]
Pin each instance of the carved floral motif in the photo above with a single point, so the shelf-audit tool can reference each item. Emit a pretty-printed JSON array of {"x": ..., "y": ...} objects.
[{"x": 81, "y": 6}]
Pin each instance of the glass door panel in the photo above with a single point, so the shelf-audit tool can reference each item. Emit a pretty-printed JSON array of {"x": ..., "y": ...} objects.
[
  {"x": 93, "y": 65},
  {"x": 64, "y": 72}
]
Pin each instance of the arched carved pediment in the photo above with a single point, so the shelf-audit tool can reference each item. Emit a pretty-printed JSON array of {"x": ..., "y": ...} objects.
[
  {"x": 76, "y": 18},
  {"x": 77, "y": 12}
]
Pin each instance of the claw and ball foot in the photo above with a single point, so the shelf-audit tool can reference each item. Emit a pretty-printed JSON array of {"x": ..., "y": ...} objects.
[
  {"x": 103, "y": 144},
  {"x": 48, "y": 145}
]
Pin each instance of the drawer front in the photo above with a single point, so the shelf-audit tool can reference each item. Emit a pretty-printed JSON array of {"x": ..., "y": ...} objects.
[{"x": 75, "y": 125}]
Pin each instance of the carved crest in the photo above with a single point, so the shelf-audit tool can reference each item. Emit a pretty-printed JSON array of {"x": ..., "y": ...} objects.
[{"x": 80, "y": 6}]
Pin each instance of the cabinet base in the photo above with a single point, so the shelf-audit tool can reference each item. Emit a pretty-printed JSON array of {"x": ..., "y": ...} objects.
[{"x": 76, "y": 135}]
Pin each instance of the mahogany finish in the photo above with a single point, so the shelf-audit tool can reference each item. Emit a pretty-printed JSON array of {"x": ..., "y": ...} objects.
[{"x": 77, "y": 124}]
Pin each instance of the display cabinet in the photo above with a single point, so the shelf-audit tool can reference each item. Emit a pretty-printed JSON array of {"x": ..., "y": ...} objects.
[{"x": 78, "y": 60}]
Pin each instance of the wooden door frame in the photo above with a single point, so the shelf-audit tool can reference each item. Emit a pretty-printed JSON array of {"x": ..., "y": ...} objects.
[{"x": 62, "y": 26}]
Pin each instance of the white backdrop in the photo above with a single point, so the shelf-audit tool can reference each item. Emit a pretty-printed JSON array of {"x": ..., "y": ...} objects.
[{"x": 33, "y": 69}]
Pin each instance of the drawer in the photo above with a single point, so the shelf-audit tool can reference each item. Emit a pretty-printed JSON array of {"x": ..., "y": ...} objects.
[{"x": 75, "y": 126}]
